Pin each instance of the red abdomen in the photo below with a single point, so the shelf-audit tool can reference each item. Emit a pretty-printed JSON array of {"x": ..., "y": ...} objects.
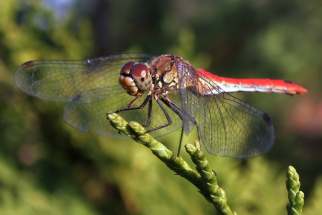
[{"x": 251, "y": 84}]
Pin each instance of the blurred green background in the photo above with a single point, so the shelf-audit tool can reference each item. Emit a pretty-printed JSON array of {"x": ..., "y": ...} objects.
[{"x": 46, "y": 167}]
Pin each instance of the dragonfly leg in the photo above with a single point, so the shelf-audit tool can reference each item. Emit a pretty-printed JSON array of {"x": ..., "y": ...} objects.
[
  {"x": 178, "y": 111},
  {"x": 146, "y": 100},
  {"x": 166, "y": 114},
  {"x": 180, "y": 142},
  {"x": 148, "y": 120},
  {"x": 132, "y": 101},
  {"x": 181, "y": 113}
]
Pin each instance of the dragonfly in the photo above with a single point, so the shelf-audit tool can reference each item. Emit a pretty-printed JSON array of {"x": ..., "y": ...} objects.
[{"x": 162, "y": 90}]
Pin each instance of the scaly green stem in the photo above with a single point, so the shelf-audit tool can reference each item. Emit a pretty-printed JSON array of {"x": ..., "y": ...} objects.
[
  {"x": 295, "y": 196},
  {"x": 209, "y": 179},
  {"x": 204, "y": 178}
]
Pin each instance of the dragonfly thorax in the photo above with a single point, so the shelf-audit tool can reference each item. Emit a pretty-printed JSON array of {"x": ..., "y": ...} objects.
[{"x": 164, "y": 73}]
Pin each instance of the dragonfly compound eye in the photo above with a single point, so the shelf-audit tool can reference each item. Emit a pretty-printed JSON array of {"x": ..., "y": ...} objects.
[
  {"x": 127, "y": 81},
  {"x": 142, "y": 76},
  {"x": 125, "y": 70}
]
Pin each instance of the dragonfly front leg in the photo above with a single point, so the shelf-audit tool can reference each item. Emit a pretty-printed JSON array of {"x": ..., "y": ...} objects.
[
  {"x": 148, "y": 120},
  {"x": 129, "y": 107},
  {"x": 166, "y": 114}
]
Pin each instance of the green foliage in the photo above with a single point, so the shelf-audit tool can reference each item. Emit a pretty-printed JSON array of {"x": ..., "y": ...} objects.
[
  {"x": 46, "y": 167},
  {"x": 315, "y": 201},
  {"x": 295, "y": 196},
  {"x": 20, "y": 194}
]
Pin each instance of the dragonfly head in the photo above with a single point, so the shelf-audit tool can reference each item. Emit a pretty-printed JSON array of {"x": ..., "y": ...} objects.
[{"x": 135, "y": 78}]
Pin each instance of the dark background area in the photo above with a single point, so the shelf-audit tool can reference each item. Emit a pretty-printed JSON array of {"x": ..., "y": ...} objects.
[{"x": 46, "y": 167}]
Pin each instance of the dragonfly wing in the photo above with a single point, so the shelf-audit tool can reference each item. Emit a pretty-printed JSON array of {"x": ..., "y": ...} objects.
[
  {"x": 90, "y": 89},
  {"x": 65, "y": 80},
  {"x": 91, "y": 116},
  {"x": 227, "y": 126}
]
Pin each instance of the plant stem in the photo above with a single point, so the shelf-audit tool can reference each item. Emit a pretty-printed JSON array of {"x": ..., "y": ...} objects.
[
  {"x": 295, "y": 196},
  {"x": 216, "y": 194},
  {"x": 203, "y": 177}
]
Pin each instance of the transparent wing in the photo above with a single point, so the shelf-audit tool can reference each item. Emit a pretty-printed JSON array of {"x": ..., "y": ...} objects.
[
  {"x": 227, "y": 126},
  {"x": 91, "y": 116},
  {"x": 67, "y": 80},
  {"x": 90, "y": 89}
]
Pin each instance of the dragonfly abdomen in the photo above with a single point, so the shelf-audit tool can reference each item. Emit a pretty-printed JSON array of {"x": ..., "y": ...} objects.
[{"x": 251, "y": 84}]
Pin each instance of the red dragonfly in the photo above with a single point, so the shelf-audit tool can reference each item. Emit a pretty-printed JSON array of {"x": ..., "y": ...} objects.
[{"x": 198, "y": 99}]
